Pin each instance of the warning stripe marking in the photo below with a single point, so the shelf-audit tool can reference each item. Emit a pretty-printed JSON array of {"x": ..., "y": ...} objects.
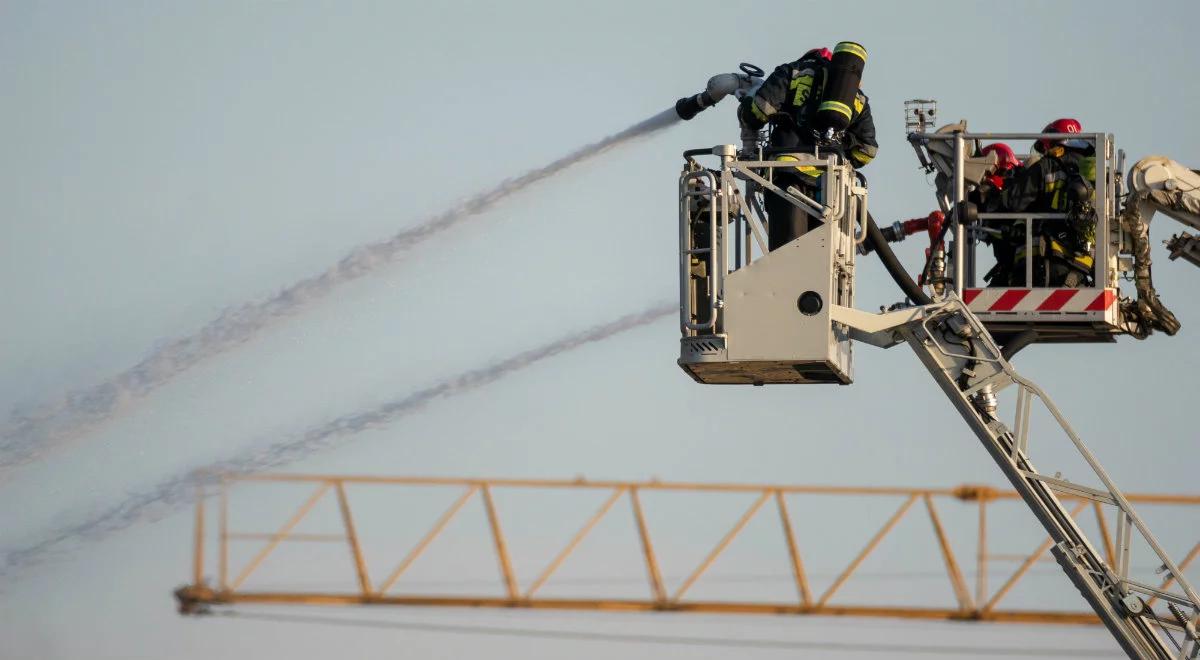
[
  {"x": 1008, "y": 300},
  {"x": 1056, "y": 300},
  {"x": 1102, "y": 302},
  {"x": 1040, "y": 299}
]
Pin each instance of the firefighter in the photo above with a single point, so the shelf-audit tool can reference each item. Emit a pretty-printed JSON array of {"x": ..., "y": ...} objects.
[
  {"x": 1060, "y": 182},
  {"x": 789, "y": 99},
  {"x": 988, "y": 198}
]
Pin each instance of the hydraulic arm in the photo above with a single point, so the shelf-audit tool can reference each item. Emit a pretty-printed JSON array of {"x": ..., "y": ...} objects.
[
  {"x": 1157, "y": 183},
  {"x": 1160, "y": 184}
]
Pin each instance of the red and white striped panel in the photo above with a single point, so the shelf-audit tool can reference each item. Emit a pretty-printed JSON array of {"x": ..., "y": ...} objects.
[{"x": 1039, "y": 300}]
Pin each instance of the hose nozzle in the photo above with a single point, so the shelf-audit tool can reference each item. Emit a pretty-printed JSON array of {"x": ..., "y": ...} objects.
[{"x": 718, "y": 87}]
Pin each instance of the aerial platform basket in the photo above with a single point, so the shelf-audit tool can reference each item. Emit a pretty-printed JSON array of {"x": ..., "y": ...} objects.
[
  {"x": 1084, "y": 314},
  {"x": 754, "y": 316}
]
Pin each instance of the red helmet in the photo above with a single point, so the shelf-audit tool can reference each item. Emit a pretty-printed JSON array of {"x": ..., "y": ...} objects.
[
  {"x": 1064, "y": 125},
  {"x": 822, "y": 53},
  {"x": 1006, "y": 159}
]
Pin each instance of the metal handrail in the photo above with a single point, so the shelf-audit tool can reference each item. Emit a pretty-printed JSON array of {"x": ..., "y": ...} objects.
[
  {"x": 719, "y": 186},
  {"x": 686, "y": 250},
  {"x": 1104, "y": 203},
  {"x": 1088, "y": 137},
  {"x": 1028, "y": 217}
]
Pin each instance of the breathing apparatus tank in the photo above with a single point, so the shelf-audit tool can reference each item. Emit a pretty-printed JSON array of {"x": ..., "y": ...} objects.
[{"x": 845, "y": 72}]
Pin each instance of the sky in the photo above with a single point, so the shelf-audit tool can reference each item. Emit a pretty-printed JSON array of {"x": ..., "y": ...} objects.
[{"x": 166, "y": 161}]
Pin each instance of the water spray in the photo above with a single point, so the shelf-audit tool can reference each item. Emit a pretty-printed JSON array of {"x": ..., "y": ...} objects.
[
  {"x": 31, "y": 433},
  {"x": 179, "y": 491}
]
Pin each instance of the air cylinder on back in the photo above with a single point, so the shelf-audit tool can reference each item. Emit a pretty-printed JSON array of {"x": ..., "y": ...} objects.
[{"x": 844, "y": 75}]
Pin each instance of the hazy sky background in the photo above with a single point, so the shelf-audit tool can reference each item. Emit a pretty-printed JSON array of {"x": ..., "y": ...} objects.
[{"x": 163, "y": 161}]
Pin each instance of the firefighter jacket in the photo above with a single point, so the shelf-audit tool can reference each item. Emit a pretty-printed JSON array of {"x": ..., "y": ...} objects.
[
  {"x": 789, "y": 97},
  {"x": 1042, "y": 187}
]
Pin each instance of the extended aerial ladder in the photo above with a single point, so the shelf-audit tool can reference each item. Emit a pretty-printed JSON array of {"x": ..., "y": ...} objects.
[
  {"x": 970, "y": 368},
  {"x": 787, "y": 316}
]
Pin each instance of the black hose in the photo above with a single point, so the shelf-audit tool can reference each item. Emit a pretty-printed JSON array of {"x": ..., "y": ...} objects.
[
  {"x": 879, "y": 244},
  {"x": 1017, "y": 342},
  {"x": 892, "y": 264}
]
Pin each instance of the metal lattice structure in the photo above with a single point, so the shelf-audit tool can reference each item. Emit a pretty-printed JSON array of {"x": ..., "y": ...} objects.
[{"x": 383, "y": 585}]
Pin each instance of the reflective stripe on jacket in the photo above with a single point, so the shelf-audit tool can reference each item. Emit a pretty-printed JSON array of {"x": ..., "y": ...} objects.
[{"x": 793, "y": 89}]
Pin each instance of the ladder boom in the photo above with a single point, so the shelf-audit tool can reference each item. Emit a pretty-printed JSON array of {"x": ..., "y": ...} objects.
[{"x": 967, "y": 364}]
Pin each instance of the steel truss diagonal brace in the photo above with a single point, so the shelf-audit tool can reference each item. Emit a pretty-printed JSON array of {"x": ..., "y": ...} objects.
[
  {"x": 966, "y": 363},
  {"x": 794, "y": 535}
]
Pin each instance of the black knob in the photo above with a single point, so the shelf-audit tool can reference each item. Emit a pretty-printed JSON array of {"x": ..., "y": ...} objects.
[{"x": 810, "y": 303}]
